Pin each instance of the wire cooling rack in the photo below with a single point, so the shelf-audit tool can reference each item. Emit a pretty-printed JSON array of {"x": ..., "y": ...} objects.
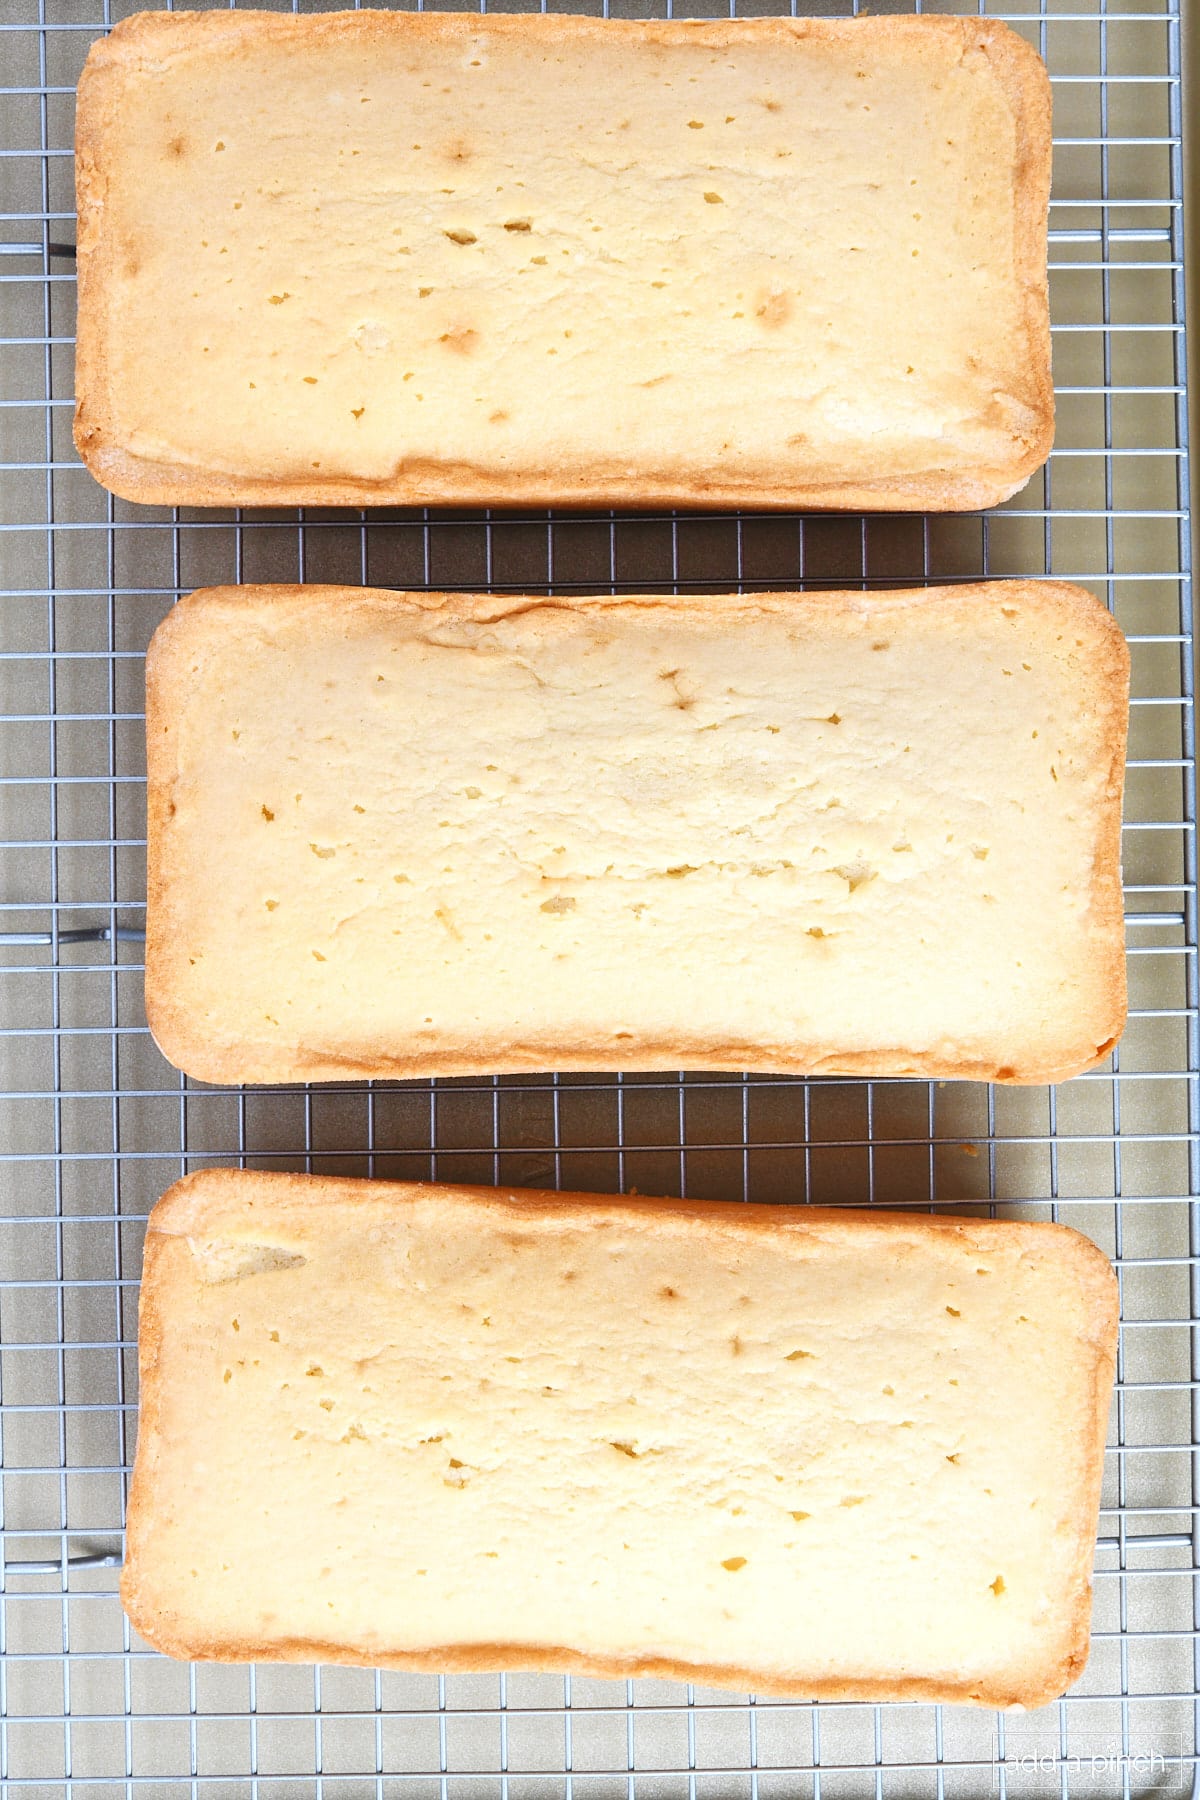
[{"x": 95, "y": 1124}]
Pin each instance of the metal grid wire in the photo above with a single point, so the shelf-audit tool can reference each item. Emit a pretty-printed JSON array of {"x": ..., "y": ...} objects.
[{"x": 94, "y": 1124}]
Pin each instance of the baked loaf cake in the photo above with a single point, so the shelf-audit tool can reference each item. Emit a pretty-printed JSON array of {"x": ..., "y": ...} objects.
[
  {"x": 378, "y": 256},
  {"x": 428, "y": 834},
  {"x": 852, "y": 1455}
]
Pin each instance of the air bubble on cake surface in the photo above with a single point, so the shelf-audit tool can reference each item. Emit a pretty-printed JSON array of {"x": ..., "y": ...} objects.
[
  {"x": 855, "y": 874},
  {"x": 371, "y": 335}
]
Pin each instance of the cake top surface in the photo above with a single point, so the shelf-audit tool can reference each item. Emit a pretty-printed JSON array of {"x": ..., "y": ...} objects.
[
  {"x": 380, "y": 1420},
  {"x": 345, "y": 251},
  {"x": 419, "y": 834}
]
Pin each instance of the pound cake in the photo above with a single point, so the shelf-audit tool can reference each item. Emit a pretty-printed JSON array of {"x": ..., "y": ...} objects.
[
  {"x": 373, "y": 257},
  {"x": 432, "y": 834},
  {"x": 809, "y": 1452}
]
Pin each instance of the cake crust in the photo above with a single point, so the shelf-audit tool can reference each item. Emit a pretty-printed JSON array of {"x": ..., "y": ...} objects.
[
  {"x": 296, "y": 1210},
  {"x": 153, "y": 100}
]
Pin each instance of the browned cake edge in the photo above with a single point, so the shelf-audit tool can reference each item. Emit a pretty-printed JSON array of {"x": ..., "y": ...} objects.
[
  {"x": 202, "y": 1201},
  {"x": 111, "y": 60},
  {"x": 184, "y": 1042}
]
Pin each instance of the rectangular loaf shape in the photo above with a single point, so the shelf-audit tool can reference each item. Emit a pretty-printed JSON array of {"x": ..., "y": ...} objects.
[
  {"x": 384, "y": 256},
  {"x": 811, "y": 1452},
  {"x": 429, "y": 834}
]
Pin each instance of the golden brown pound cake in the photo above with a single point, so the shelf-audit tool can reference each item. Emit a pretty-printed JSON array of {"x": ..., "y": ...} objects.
[
  {"x": 809, "y": 1452},
  {"x": 380, "y": 256},
  {"x": 430, "y": 834}
]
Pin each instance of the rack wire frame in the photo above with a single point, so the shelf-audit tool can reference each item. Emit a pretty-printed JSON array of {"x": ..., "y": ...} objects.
[{"x": 93, "y": 1123}]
